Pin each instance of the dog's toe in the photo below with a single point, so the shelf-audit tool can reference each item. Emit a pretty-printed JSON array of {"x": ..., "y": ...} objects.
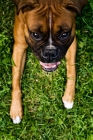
[
  {"x": 68, "y": 105},
  {"x": 17, "y": 120}
]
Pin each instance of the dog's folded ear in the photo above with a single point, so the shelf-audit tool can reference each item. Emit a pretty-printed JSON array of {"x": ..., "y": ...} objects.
[
  {"x": 24, "y": 5},
  {"x": 75, "y": 5}
]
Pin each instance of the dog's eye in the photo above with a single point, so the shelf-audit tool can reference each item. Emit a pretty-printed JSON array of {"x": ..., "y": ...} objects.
[
  {"x": 36, "y": 36},
  {"x": 64, "y": 36}
]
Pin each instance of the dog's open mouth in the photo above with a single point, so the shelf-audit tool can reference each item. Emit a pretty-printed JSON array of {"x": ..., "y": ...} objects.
[{"x": 49, "y": 67}]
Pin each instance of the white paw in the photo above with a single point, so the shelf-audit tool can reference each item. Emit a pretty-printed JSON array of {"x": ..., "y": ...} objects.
[
  {"x": 68, "y": 105},
  {"x": 17, "y": 120}
]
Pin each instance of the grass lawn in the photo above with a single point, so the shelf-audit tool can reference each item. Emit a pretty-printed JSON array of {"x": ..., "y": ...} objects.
[{"x": 45, "y": 117}]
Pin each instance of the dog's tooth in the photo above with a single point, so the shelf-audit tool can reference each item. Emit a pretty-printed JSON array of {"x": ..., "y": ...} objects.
[
  {"x": 68, "y": 105},
  {"x": 17, "y": 120}
]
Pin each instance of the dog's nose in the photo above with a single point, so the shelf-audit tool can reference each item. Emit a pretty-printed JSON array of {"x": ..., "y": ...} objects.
[{"x": 50, "y": 55}]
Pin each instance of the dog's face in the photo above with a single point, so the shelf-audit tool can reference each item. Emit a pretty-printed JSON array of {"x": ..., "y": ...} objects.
[
  {"x": 49, "y": 35},
  {"x": 49, "y": 29}
]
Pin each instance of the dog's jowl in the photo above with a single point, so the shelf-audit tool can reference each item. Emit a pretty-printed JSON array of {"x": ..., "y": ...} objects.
[{"x": 48, "y": 28}]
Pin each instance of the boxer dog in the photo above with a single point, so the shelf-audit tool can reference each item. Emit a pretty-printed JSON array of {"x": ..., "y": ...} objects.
[{"x": 48, "y": 28}]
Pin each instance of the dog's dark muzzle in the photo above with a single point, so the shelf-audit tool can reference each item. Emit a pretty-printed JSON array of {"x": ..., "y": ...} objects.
[
  {"x": 50, "y": 55},
  {"x": 50, "y": 58}
]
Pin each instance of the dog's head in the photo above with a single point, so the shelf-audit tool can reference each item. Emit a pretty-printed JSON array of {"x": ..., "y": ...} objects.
[{"x": 49, "y": 27}]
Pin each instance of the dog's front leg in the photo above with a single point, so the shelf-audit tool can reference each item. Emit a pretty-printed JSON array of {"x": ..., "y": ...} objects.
[
  {"x": 19, "y": 55},
  {"x": 71, "y": 76}
]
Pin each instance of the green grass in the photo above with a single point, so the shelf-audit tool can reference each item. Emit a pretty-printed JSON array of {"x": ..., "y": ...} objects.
[{"x": 45, "y": 118}]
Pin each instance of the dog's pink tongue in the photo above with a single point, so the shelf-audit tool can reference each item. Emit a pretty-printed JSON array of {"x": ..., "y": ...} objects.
[{"x": 49, "y": 65}]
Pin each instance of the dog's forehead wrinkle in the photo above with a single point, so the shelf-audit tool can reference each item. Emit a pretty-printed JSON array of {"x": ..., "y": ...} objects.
[
  {"x": 50, "y": 2},
  {"x": 35, "y": 28},
  {"x": 65, "y": 26}
]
